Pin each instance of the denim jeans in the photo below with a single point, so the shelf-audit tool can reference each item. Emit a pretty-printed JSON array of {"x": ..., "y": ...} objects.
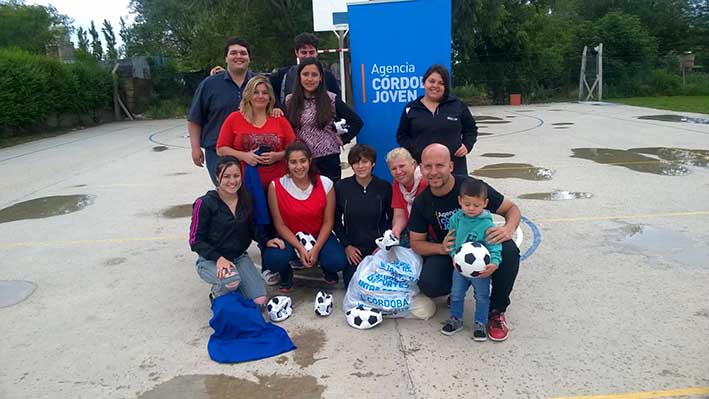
[
  {"x": 332, "y": 259},
  {"x": 481, "y": 288},
  {"x": 251, "y": 286},
  {"x": 210, "y": 162}
]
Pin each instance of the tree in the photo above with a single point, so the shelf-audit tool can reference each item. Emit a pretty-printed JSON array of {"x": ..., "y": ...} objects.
[
  {"x": 124, "y": 33},
  {"x": 110, "y": 38},
  {"x": 31, "y": 27},
  {"x": 82, "y": 40},
  {"x": 96, "y": 46}
]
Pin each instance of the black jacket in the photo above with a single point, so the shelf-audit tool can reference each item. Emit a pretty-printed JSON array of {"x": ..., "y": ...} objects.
[
  {"x": 282, "y": 83},
  {"x": 451, "y": 125},
  {"x": 216, "y": 232},
  {"x": 362, "y": 215}
]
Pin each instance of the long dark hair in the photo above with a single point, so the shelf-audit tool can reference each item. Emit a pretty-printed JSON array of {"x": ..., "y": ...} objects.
[
  {"x": 445, "y": 75},
  {"x": 302, "y": 147},
  {"x": 242, "y": 194},
  {"x": 323, "y": 105}
]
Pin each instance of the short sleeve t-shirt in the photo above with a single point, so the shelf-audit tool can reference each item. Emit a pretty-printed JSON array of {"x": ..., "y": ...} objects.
[
  {"x": 275, "y": 134},
  {"x": 397, "y": 197},
  {"x": 430, "y": 210}
]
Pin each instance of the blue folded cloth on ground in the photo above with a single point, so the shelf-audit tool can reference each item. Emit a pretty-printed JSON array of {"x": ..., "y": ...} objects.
[{"x": 241, "y": 334}]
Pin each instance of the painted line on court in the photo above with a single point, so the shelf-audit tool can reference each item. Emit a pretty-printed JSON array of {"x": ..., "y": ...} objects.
[
  {"x": 536, "y": 239},
  {"x": 152, "y": 139},
  {"x": 645, "y": 395},
  {"x": 94, "y": 241}
]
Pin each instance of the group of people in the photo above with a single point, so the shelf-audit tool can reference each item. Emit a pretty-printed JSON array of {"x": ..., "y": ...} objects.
[{"x": 274, "y": 158}]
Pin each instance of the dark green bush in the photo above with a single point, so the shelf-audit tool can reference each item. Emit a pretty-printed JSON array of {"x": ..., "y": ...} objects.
[{"x": 33, "y": 87}]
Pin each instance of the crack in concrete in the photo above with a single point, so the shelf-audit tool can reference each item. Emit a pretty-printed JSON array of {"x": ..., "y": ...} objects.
[{"x": 404, "y": 352}]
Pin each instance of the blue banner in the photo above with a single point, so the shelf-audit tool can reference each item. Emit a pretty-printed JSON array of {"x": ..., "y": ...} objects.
[{"x": 392, "y": 43}]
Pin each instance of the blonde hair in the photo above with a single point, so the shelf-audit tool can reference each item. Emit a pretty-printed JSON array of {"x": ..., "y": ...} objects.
[
  {"x": 400, "y": 152},
  {"x": 245, "y": 107}
]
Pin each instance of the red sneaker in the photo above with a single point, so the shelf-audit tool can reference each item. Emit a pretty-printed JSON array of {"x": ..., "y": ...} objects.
[{"x": 497, "y": 326}]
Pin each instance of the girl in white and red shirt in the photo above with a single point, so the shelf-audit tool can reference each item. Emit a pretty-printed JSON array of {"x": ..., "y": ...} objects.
[{"x": 303, "y": 201}]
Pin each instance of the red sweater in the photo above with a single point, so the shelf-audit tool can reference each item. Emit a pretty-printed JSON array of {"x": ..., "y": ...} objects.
[
  {"x": 239, "y": 134},
  {"x": 306, "y": 215}
]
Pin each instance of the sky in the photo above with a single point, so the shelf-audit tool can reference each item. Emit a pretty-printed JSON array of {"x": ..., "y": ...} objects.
[{"x": 83, "y": 12}]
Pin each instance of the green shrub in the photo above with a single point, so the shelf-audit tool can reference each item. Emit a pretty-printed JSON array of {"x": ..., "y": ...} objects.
[{"x": 33, "y": 87}]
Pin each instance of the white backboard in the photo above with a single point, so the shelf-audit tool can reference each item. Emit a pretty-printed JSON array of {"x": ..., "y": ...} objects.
[{"x": 322, "y": 14}]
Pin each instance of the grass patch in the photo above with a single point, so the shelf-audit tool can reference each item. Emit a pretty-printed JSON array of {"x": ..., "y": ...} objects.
[
  {"x": 699, "y": 104},
  {"x": 168, "y": 108}
]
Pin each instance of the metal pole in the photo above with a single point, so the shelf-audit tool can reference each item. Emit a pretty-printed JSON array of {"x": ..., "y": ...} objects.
[
  {"x": 341, "y": 39},
  {"x": 600, "y": 72},
  {"x": 582, "y": 75}
]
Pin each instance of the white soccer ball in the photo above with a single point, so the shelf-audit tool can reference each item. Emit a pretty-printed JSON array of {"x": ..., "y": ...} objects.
[
  {"x": 323, "y": 304},
  {"x": 363, "y": 317},
  {"x": 306, "y": 239},
  {"x": 279, "y": 308},
  {"x": 471, "y": 259},
  {"x": 386, "y": 241}
]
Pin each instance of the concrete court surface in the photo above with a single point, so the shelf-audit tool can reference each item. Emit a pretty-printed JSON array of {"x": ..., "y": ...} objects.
[{"x": 612, "y": 301}]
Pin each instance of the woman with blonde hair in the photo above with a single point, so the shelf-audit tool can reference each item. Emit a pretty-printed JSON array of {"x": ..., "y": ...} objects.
[
  {"x": 408, "y": 183},
  {"x": 255, "y": 137}
]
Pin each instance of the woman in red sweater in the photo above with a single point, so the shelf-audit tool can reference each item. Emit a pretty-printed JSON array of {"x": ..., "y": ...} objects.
[
  {"x": 255, "y": 137},
  {"x": 303, "y": 201}
]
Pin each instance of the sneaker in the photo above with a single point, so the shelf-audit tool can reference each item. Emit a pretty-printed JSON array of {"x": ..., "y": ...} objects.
[
  {"x": 480, "y": 332},
  {"x": 497, "y": 326},
  {"x": 452, "y": 326},
  {"x": 211, "y": 298},
  {"x": 296, "y": 264},
  {"x": 270, "y": 277},
  {"x": 330, "y": 278}
]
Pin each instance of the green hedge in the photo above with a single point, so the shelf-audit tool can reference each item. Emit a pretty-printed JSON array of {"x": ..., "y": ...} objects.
[{"x": 33, "y": 87}]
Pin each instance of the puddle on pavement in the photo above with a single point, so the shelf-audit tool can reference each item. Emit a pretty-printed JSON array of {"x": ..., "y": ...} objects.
[
  {"x": 511, "y": 116},
  {"x": 204, "y": 386},
  {"x": 177, "y": 174},
  {"x": 495, "y": 122},
  {"x": 561, "y": 128},
  {"x": 13, "y": 292},
  {"x": 562, "y": 124},
  {"x": 484, "y": 134},
  {"x": 487, "y": 118},
  {"x": 675, "y": 118},
  {"x": 630, "y": 160},
  {"x": 78, "y": 186},
  {"x": 514, "y": 170},
  {"x": 682, "y": 155},
  {"x": 497, "y": 155},
  {"x": 556, "y": 196},
  {"x": 309, "y": 342},
  {"x": 654, "y": 242},
  {"x": 44, "y": 207},
  {"x": 177, "y": 211},
  {"x": 159, "y": 148},
  {"x": 555, "y": 109},
  {"x": 526, "y": 110}
]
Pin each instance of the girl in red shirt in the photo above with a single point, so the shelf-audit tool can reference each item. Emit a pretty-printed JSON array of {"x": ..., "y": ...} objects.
[{"x": 303, "y": 201}]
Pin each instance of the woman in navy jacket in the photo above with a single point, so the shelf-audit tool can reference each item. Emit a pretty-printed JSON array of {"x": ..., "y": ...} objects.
[{"x": 438, "y": 117}]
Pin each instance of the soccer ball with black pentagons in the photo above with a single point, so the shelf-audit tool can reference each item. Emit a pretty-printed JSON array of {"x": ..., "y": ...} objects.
[
  {"x": 306, "y": 239},
  {"x": 323, "y": 304},
  {"x": 363, "y": 317},
  {"x": 279, "y": 308},
  {"x": 471, "y": 259}
]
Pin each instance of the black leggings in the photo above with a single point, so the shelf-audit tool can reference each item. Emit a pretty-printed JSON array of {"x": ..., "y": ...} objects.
[
  {"x": 437, "y": 273},
  {"x": 329, "y": 166}
]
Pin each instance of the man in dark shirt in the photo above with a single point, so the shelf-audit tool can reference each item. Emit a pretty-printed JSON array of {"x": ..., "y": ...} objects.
[
  {"x": 216, "y": 97},
  {"x": 434, "y": 207},
  {"x": 306, "y": 46}
]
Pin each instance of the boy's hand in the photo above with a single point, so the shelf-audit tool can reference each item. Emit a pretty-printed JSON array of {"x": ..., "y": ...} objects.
[{"x": 489, "y": 269}]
